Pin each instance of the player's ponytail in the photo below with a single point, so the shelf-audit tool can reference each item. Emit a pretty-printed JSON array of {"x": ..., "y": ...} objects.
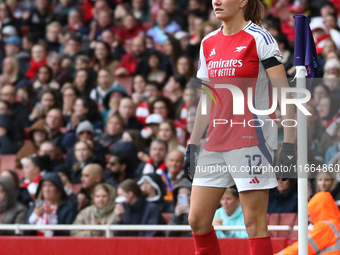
[{"x": 254, "y": 11}]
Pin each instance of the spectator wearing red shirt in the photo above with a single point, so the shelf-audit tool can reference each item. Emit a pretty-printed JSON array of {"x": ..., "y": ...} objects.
[{"x": 130, "y": 29}]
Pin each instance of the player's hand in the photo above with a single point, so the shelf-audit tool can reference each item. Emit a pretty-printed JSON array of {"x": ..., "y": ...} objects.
[
  {"x": 287, "y": 158},
  {"x": 189, "y": 161}
]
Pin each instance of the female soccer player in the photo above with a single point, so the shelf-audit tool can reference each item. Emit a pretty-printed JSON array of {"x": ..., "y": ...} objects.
[{"x": 242, "y": 54}]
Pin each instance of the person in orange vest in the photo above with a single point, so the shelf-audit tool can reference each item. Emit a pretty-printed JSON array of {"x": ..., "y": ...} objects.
[{"x": 324, "y": 238}]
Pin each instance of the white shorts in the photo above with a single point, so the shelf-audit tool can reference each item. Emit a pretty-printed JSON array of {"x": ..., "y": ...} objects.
[{"x": 250, "y": 168}]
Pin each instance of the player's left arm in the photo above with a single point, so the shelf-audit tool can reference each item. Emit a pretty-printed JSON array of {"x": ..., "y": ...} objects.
[{"x": 278, "y": 79}]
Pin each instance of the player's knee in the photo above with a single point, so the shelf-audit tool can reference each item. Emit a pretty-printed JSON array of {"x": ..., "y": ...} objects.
[
  {"x": 255, "y": 229},
  {"x": 197, "y": 223}
]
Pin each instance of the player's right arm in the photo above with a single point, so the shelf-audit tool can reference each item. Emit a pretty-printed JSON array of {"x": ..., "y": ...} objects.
[{"x": 201, "y": 121}]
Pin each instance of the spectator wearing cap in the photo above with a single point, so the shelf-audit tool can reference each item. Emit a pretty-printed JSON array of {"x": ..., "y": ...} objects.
[
  {"x": 163, "y": 25},
  {"x": 33, "y": 169},
  {"x": 91, "y": 175},
  {"x": 128, "y": 64},
  {"x": 12, "y": 211},
  {"x": 127, "y": 110},
  {"x": 8, "y": 31},
  {"x": 117, "y": 169},
  {"x": 154, "y": 189},
  {"x": 39, "y": 133},
  {"x": 11, "y": 137},
  {"x": 111, "y": 101},
  {"x": 152, "y": 123},
  {"x": 64, "y": 174},
  {"x": 113, "y": 131},
  {"x": 62, "y": 10},
  {"x": 13, "y": 49},
  {"x": 152, "y": 91},
  {"x": 84, "y": 133},
  {"x": 18, "y": 110},
  {"x": 183, "y": 38},
  {"x": 53, "y": 207}
]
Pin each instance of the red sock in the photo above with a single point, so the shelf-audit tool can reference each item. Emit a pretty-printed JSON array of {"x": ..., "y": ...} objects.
[
  {"x": 260, "y": 246},
  {"x": 207, "y": 244}
]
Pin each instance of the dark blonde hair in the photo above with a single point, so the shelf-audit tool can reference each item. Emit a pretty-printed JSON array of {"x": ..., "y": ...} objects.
[
  {"x": 100, "y": 186},
  {"x": 254, "y": 11},
  {"x": 130, "y": 185}
]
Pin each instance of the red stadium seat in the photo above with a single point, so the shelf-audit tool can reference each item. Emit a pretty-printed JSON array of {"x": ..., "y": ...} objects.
[
  {"x": 76, "y": 188},
  {"x": 290, "y": 219},
  {"x": 20, "y": 173},
  {"x": 126, "y": 83},
  {"x": 166, "y": 217},
  {"x": 274, "y": 219},
  {"x": 7, "y": 162}
]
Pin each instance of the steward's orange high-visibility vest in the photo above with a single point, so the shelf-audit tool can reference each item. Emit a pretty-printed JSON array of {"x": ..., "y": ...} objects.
[{"x": 325, "y": 236}]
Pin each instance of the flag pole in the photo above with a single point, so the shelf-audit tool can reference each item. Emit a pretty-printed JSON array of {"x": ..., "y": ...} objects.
[
  {"x": 304, "y": 55},
  {"x": 301, "y": 162}
]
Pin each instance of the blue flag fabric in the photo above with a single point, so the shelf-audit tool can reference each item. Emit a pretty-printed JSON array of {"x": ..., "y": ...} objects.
[{"x": 305, "y": 50}]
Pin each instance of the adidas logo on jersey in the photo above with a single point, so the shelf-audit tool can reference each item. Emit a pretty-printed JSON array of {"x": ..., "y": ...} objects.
[
  {"x": 290, "y": 157},
  {"x": 212, "y": 53},
  {"x": 254, "y": 180},
  {"x": 239, "y": 48}
]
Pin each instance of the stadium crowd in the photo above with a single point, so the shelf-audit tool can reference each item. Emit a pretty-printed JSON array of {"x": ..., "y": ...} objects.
[{"x": 96, "y": 103}]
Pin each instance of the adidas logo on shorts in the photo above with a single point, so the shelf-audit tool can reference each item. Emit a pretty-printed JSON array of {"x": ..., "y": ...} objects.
[{"x": 254, "y": 180}]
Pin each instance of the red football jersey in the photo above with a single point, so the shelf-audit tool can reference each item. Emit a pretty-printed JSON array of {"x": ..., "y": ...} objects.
[{"x": 240, "y": 60}]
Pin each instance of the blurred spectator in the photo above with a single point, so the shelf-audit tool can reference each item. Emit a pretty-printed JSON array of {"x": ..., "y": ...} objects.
[
  {"x": 151, "y": 129},
  {"x": 152, "y": 91},
  {"x": 182, "y": 194},
  {"x": 45, "y": 80},
  {"x": 13, "y": 49},
  {"x": 84, "y": 133},
  {"x": 83, "y": 82},
  {"x": 12, "y": 212},
  {"x": 54, "y": 121},
  {"x": 326, "y": 181},
  {"x": 174, "y": 14},
  {"x": 137, "y": 210},
  {"x": 174, "y": 172},
  {"x": 117, "y": 48},
  {"x": 133, "y": 135},
  {"x": 332, "y": 150},
  {"x": 127, "y": 109},
  {"x": 320, "y": 91},
  {"x": 230, "y": 213},
  {"x": 39, "y": 132},
  {"x": 113, "y": 132},
  {"x": 163, "y": 25},
  {"x": 38, "y": 59},
  {"x": 111, "y": 101},
  {"x": 117, "y": 169},
  {"x": 130, "y": 29},
  {"x": 154, "y": 71},
  {"x": 102, "y": 21},
  {"x": 51, "y": 40},
  {"x": 283, "y": 198},
  {"x": 11, "y": 73},
  {"x": 140, "y": 10},
  {"x": 7, "y": 18},
  {"x": 120, "y": 12},
  {"x": 103, "y": 58},
  {"x": 56, "y": 158},
  {"x": 33, "y": 169},
  {"x": 47, "y": 101},
  {"x": 167, "y": 132},
  {"x": 11, "y": 134},
  {"x": 70, "y": 95},
  {"x": 64, "y": 174},
  {"x": 172, "y": 48},
  {"x": 138, "y": 87},
  {"x": 17, "y": 108},
  {"x": 185, "y": 67},
  {"x": 83, "y": 156},
  {"x": 154, "y": 189},
  {"x": 62, "y": 10},
  {"x": 104, "y": 82},
  {"x": 13, "y": 175},
  {"x": 174, "y": 90},
  {"x": 51, "y": 207},
  {"x": 59, "y": 75},
  {"x": 156, "y": 162},
  {"x": 128, "y": 64},
  {"x": 99, "y": 213},
  {"x": 91, "y": 175}
]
